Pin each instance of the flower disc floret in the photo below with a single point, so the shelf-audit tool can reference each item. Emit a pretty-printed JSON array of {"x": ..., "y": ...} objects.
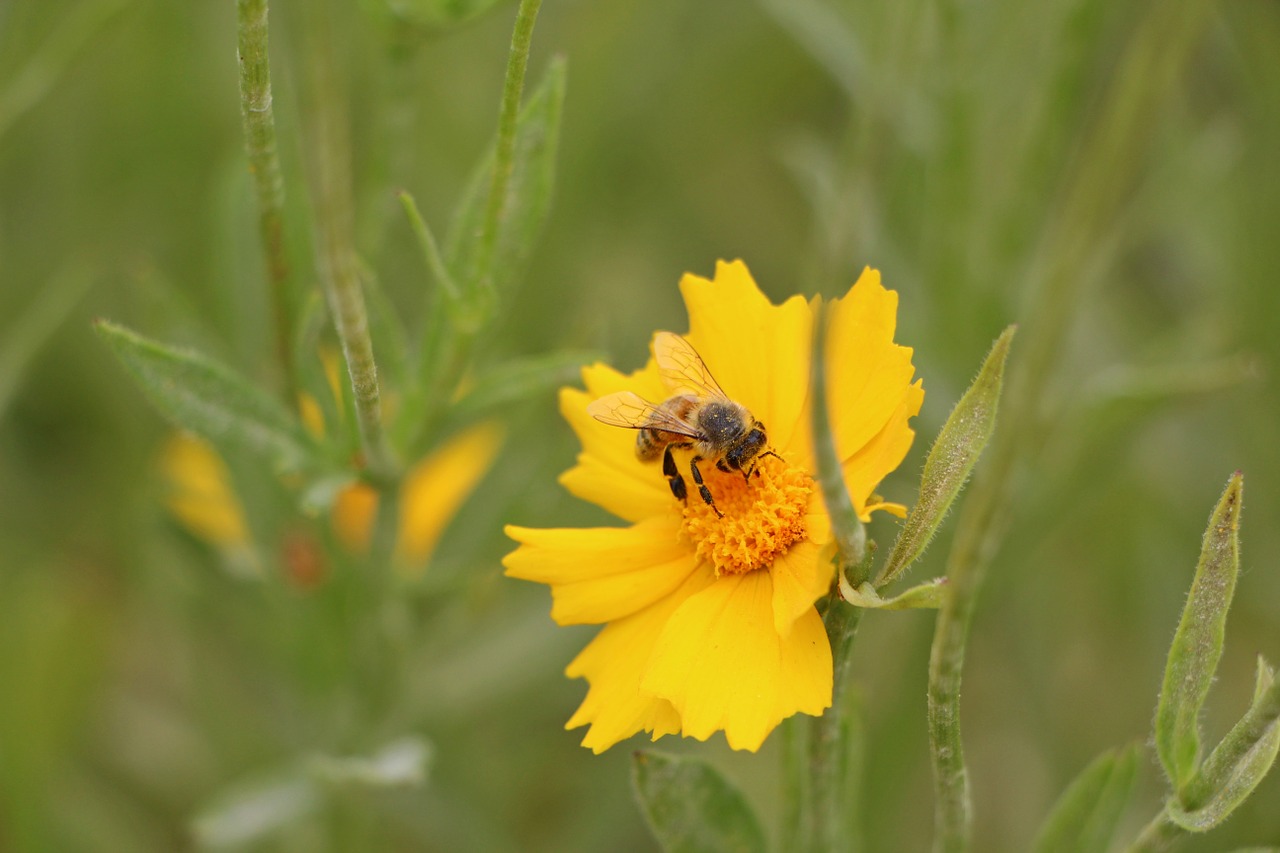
[{"x": 763, "y": 515}]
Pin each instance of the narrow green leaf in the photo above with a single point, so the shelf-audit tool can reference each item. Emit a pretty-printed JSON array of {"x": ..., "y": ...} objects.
[
  {"x": 846, "y": 528},
  {"x": 691, "y": 808},
  {"x": 928, "y": 595},
  {"x": 1197, "y": 645},
  {"x": 528, "y": 197},
  {"x": 386, "y": 329},
  {"x": 24, "y": 336},
  {"x": 518, "y": 380},
  {"x": 400, "y": 764},
  {"x": 209, "y": 399},
  {"x": 1235, "y": 767},
  {"x": 951, "y": 459},
  {"x": 252, "y": 811},
  {"x": 1085, "y": 816},
  {"x": 438, "y": 14}
]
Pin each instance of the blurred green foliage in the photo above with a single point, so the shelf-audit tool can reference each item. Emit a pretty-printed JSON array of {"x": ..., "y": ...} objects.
[{"x": 140, "y": 684}]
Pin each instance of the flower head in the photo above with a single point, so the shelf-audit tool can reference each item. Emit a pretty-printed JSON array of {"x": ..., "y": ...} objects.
[{"x": 708, "y": 602}]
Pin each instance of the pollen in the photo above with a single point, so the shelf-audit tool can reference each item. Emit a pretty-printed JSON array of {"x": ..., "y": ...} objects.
[{"x": 763, "y": 515}]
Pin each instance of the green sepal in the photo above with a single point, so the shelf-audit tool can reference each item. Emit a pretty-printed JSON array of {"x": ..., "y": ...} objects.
[
  {"x": 928, "y": 595},
  {"x": 1237, "y": 764},
  {"x": 1197, "y": 645},
  {"x": 212, "y": 401},
  {"x": 691, "y": 808},
  {"x": 528, "y": 197},
  {"x": 1085, "y": 817},
  {"x": 951, "y": 459}
]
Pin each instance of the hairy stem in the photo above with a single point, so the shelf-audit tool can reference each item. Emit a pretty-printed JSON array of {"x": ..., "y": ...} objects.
[{"x": 264, "y": 164}]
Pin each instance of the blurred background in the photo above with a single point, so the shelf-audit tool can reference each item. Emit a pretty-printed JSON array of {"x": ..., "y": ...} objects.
[{"x": 1110, "y": 168}]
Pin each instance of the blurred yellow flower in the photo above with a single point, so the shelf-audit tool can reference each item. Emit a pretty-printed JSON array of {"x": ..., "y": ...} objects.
[
  {"x": 709, "y": 620},
  {"x": 432, "y": 492},
  {"x": 201, "y": 498}
]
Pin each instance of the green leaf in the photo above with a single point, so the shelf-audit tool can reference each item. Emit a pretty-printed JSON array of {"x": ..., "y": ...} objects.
[
  {"x": 24, "y": 336},
  {"x": 691, "y": 808},
  {"x": 951, "y": 459},
  {"x": 928, "y": 595},
  {"x": 518, "y": 380},
  {"x": 438, "y": 14},
  {"x": 1085, "y": 816},
  {"x": 212, "y": 401},
  {"x": 1239, "y": 762},
  {"x": 1197, "y": 645},
  {"x": 400, "y": 764},
  {"x": 528, "y": 197},
  {"x": 254, "y": 810}
]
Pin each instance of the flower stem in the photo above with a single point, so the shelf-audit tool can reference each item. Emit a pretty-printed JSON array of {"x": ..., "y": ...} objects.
[
  {"x": 831, "y": 740},
  {"x": 338, "y": 264},
  {"x": 258, "y": 118},
  {"x": 1159, "y": 834},
  {"x": 850, "y": 535}
]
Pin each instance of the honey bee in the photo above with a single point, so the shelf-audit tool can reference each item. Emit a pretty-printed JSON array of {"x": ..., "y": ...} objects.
[{"x": 698, "y": 415}]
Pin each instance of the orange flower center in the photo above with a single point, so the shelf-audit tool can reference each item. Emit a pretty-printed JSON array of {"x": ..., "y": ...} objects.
[{"x": 763, "y": 515}]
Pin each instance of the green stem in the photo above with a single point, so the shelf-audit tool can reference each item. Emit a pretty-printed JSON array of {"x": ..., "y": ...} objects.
[
  {"x": 338, "y": 264},
  {"x": 504, "y": 153},
  {"x": 830, "y": 809},
  {"x": 1158, "y": 835},
  {"x": 264, "y": 164}
]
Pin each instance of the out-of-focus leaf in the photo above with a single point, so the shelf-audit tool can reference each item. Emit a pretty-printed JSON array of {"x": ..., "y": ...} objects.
[
  {"x": 1197, "y": 645},
  {"x": 691, "y": 808},
  {"x": 519, "y": 380},
  {"x": 249, "y": 813},
  {"x": 1237, "y": 764},
  {"x": 212, "y": 401},
  {"x": 400, "y": 764},
  {"x": 1085, "y": 816},
  {"x": 927, "y": 595},
  {"x": 827, "y": 38},
  {"x": 528, "y": 196},
  {"x": 439, "y": 14},
  {"x": 951, "y": 460},
  {"x": 24, "y": 336},
  {"x": 386, "y": 329}
]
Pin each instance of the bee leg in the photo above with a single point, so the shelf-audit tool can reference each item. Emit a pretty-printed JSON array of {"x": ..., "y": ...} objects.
[
  {"x": 672, "y": 474},
  {"x": 755, "y": 462},
  {"x": 722, "y": 465},
  {"x": 702, "y": 487}
]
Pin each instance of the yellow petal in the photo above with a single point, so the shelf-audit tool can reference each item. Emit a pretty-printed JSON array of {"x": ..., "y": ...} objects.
[
  {"x": 758, "y": 352},
  {"x": 604, "y": 573},
  {"x": 435, "y": 488},
  {"x": 608, "y": 472},
  {"x": 199, "y": 492},
  {"x": 868, "y": 375},
  {"x": 800, "y": 577},
  {"x": 882, "y": 454},
  {"x": 615, "y": 706},
  {"x": 353, "y": 512},
  {"x": 722, "y": 665}
]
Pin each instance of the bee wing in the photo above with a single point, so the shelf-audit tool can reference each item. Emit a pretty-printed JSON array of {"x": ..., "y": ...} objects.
[
  {"x": 681, "y": 368},
  {"x": 626, "y": 409}
]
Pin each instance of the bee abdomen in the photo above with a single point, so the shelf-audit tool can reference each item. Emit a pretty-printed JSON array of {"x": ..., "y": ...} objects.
[{"x": 649, "y": 444}]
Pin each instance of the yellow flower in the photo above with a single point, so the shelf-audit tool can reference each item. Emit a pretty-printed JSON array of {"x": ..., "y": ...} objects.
[
  {"x": 199, "y": 496},
  {"x": 710, "y": 621},
  {"x": 432, "y": 492}
]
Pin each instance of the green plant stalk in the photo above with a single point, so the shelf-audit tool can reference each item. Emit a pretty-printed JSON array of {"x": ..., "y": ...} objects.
[
  {"x": 1095, "y": 195},
  {"x": 258, "y": 118},
  {"x": 824, "y": 814},
  {"x": 1159, "y": 834},
  {"x": 457, "y": 317},
  {"x": 504, "y": 152},
  {"x": 338, "y": 264}
]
